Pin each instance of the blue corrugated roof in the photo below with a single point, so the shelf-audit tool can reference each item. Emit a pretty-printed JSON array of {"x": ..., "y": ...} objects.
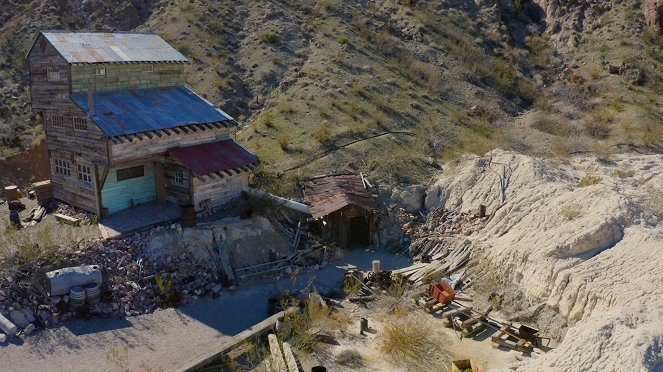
[
  {"x": 96, "y": 47},
  {"x": 122, "y": 112}
]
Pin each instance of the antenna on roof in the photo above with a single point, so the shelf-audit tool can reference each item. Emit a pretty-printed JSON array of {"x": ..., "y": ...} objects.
[{"x": 90, "y": 101}]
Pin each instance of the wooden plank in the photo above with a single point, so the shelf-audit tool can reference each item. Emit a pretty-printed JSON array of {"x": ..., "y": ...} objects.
[
  {"x": 276, "y": 355},
  {"x": 290, "y": 360},
  {"x": 67, "y": 219}
]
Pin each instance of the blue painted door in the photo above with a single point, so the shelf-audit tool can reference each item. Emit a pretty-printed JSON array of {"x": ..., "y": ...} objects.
[{"x": 118, "y": 195}]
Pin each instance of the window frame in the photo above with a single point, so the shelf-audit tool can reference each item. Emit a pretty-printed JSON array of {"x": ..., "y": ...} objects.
[
  {"x": 129, "y": 175},
  {"x": 179, "y": 178},
  {"x": 85, "y": 173},
  {"x": 62, "y": 167},
  {"x": 99, "y": 70},
  {"x": 79, "y": 123},
  {"x": 60, "y": 121},
  {"x": 147, "y": 68},
  {"x": 50, "y": 74}
]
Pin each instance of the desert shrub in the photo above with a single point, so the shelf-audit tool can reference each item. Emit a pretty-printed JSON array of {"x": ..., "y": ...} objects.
[
  {"x": 282, "y": 138},
  {"x": 323, "y": 133},
  {"x": 268, "y": 37},
  {"x": 623, "y": 173},
  {"x": 342, "y": 40},
  {"x": 589, "y": 180},
  {"x": 571, "y": 212},
  {"x": 350, "y": 358},
  {"x": 185, "y": 6},
  {"x": 351, "y": 287},
  {"x": 216, "y": 26},
  {"x": 547, "y": 125},
  {"x": 407, "y": 343}
]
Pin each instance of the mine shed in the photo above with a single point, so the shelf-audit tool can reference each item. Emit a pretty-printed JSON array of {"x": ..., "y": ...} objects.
[{"x": 344, "y": 210}]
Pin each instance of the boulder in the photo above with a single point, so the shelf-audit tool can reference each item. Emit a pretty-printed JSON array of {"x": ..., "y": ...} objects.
[
  {"x": 635, "y": 76},
  {"x": 434, "y": 197},
  {"x": 653, "y": 12},
  {"x": 18, "y": 317},
  {"x": 410, "y": 198}
]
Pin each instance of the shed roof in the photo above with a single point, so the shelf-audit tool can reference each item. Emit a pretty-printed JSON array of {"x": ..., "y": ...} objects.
[
  {"x": 115, "y": 47},
  {"x": 329, "y": 194},
  {"x": 124, "y": 112},
  {"x": 213, "y": 157}
]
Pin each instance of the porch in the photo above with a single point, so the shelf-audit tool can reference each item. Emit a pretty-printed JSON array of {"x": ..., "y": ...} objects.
[{"x": 138, "y": 218}]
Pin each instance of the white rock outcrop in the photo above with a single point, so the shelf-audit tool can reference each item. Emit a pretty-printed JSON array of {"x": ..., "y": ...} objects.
[{"x": 593, "y": 253}]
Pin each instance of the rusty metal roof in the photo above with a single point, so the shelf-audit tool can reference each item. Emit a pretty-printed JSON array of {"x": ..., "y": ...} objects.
[
  {"x": 102, "y": 47},
  {"x": 329, "y": 194},
  {"x": 124, "y": 112},
  {"x": 213, "y": 157}
]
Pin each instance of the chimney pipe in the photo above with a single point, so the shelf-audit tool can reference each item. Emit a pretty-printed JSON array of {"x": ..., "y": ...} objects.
[{"x": 90, "y": 101}]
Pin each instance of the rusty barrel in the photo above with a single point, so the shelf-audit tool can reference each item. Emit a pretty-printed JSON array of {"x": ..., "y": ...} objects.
[
  {"x": 188, "y": 216},
  {"x": 11, "y": 193}
]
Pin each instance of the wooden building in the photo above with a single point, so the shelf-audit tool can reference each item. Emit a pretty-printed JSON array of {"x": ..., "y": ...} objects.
[
  {"x": 344, "y": 210},
  {"x": 122, "y": 129}
]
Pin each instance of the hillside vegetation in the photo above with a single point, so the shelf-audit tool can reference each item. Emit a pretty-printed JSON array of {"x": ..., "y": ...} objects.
[{"x": 394, "y": 89}]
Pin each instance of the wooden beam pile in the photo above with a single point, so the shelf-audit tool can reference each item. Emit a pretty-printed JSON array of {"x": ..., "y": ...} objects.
[{"x": 443, "y": 262}]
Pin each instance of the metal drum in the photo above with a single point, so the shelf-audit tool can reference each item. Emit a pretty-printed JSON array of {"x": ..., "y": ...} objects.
[
  {"x": 92, "y": 294},
  {"x": 77, "y": 296}
]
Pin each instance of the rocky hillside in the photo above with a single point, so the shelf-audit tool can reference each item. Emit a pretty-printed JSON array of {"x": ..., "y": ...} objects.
[{"x": 392, "y": 88}]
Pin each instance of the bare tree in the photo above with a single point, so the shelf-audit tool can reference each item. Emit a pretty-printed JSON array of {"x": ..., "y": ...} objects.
[{"x": 503, "y": 171}]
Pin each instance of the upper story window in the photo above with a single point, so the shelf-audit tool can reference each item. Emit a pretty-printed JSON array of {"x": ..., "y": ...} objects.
[
  {"x": 84, "y": 173},
  {"x": 62, "y": 167},
  {"x": 53, "y": 74},
  {"x": 179, "y": 178},
  {"x": 128, "y": 173},
  {"x": 57, "y": 121},
  {"x": 148, "y": 68},
  {"x": 80, "y": 123},
  {"x": 100, "y": 70}
]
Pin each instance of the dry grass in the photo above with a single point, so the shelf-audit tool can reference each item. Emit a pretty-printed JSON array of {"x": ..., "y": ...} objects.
[
  {"x": 589, "y": 180},
  {"x": 571, "y": 212},
  {"x": 407, "y": 343}
]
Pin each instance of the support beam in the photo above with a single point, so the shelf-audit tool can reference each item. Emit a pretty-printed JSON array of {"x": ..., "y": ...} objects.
[
  {"x": 219, "y": 126},
  {"x": 140, "y": 138},
  {"x": 228, "y": 172},
  {"x": 208, "y": 126},
  {"x": 299, "y": 207},
  {"x": 148, "y": 135},
  {"x": 168, "y": 133},
  {"x": 237, "y": 170},
  {"x": 115, "y": 140},
  {"x": 128, "y": 138},
  {"x": 212, "y": 176},
  {"x": 158, "y": 133},
  {"x": 177, "y": 131},
  {"x": 192, "y": 127},
  {"x": 183, "y": 128},
  {"x": 219, "y": 174},
  {"x": 201, "y": 178}
]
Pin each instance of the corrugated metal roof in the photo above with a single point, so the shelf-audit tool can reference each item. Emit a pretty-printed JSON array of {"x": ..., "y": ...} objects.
[
  {"x": 122, "y": 112},
  {"x": 326, "y": 195},
  {"x": 213, "y": 157},
  {"x": 98, "y": 47}
]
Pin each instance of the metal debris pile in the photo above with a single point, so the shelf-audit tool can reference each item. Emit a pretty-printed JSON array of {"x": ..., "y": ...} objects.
[{"x": 132, "y": 283}]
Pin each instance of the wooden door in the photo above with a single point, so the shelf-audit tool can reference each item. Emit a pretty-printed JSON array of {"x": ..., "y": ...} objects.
[{"x": 160, "y": 181}]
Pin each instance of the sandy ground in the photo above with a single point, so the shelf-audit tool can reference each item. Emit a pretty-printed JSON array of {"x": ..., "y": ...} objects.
[{"x": 167, "y": 337}]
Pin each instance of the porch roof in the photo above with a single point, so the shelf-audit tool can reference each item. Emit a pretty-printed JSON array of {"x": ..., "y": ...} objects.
[{"x": 213, "y": 157}]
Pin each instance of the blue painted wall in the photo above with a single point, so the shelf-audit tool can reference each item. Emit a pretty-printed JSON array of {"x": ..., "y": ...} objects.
[{"x": 116, "y": 195}]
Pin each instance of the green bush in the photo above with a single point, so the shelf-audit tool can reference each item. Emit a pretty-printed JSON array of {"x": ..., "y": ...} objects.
[
  {"x": 342, "y": 40},
  {"x": 268, "y": 37}
]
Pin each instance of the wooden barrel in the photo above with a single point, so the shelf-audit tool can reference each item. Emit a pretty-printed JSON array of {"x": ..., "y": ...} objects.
[
  {"x": 11, "y": 193},
  {"x": 188, "y": 216},
  {"x": 77, "y": 296},
  {"x": 92, "y": 294}
]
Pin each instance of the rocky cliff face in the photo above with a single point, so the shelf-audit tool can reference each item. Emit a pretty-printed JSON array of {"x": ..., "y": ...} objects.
[{"x": 592, "y": 253}]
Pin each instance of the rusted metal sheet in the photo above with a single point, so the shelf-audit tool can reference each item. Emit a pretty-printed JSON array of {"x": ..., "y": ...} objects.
[
  {"x": 329, "y": 194},
  {"x": 123, "y": 112},
  {"x": 213, "y": 157},
  {"x": 116, "y": 47}
]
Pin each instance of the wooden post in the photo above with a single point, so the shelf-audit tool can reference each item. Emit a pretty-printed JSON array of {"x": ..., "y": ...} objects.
[
  {"x": 363, "y": 326},
  {"x": 11, "y": 193}
]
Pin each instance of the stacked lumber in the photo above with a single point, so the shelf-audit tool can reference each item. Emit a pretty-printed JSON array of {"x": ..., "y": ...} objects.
[{"x": 443, "y": 263}]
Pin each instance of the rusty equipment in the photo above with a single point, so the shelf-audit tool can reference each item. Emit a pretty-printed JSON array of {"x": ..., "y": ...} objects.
[{"x": 442, "y": 292}]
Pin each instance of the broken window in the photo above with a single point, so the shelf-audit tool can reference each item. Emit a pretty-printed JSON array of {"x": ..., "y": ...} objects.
[
  {"x": 80, "y": 123},
  {"x": 179, "y": 178},
  {"x": 84, "y": 173},
  {"x": 129, "y": 173},
  {"x": 53, "y": 74},
  {"x": 62, "y": 167},
  {"x": 100, "y": 70},
  {"x": 57, "y": 121}
]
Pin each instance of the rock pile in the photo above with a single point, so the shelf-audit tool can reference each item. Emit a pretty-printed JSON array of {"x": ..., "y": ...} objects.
[{"x": 132, "y": 283}]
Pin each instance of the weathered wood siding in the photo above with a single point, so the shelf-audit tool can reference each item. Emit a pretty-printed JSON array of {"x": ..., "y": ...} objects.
[
  {"x": 47, "y": 95},
  {"x": 176, "y": 193},
  {"x": 116, "y": 195},
  {"x": 220, "y": 191},
  {"x": 126, "y": 76},
  {"x": 70, "y": 189},
  {"x": 158, "y": 146}
]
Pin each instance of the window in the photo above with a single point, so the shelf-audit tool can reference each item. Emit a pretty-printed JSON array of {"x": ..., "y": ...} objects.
[
  {"x": 84, "y": 173},
  {"x": 128, "y": 173},
  {"x": 80, "y": 123},
  {"x": 62, "y": 167},
  {"x": 148, "y": 68},
  {"x": 100, "y": 70},
  {"x": 53, "y": 74},
  {"x": 179, "y": 178},
  {"x": 57, "y": 120}
]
